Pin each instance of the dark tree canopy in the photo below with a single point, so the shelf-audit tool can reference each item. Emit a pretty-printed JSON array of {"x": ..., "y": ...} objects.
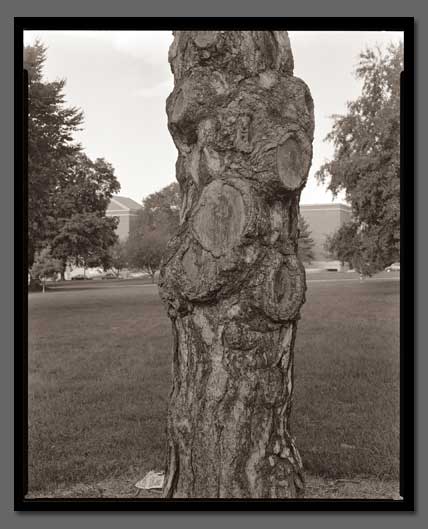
[
  {"x": 84, "y": 239},
  {"x": 87, "y": 186},
  {"x": 51, "y": 126},
  {"x": 45, "y": 266},
  {"x": 68, "y": 194},
  {"x": 343, "y": 245},
  {"x": 366, "y": 162},
  {"x": 305, "y": 242},
  {"x": 79, "y": 231}
]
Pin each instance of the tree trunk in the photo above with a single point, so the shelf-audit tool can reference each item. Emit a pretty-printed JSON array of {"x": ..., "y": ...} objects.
[
  {"x": 231, "y": 279},
  {"x": 63, "y": 269}
]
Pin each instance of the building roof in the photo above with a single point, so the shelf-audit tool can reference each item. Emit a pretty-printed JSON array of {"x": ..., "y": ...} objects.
[{"x": 123, "y": 204}]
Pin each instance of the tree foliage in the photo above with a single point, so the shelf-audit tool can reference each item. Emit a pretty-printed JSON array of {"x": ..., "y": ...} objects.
[
  {"x": 366, "y": 162},
  {"x": 68, "y": 194},
  {"x": 145, "y": 252},
  {"x": 118, "y": 257},
  {"x": 84, "y": 240},
  {"x": 79, "y": 231},
  {"x": 51, "y": 126},
  {"x": 305, "y": 242},
  {"x": 163, "y": 208},
  {"x": 350, "y": 245},
  {"x": 156, "y": 223},
  {"x": 45, "y": 266},
  {"x": 343, "y": 245}
]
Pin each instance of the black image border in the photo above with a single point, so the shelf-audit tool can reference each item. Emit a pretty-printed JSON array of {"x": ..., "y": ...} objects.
[{"x": 407, "y": 388}]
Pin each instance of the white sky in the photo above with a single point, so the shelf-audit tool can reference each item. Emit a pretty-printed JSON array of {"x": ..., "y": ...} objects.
[{"x": 121, "y": 79}]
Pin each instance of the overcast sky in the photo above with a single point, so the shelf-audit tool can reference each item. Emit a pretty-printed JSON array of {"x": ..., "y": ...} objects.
[{"x": 120, "y": 79}]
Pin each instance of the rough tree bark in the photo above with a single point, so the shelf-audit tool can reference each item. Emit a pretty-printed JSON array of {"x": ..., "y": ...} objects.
[{"x": 231, "y": 279}]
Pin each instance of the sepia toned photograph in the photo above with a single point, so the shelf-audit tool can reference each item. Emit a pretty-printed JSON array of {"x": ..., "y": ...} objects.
[{"x": 213, "y": 231}]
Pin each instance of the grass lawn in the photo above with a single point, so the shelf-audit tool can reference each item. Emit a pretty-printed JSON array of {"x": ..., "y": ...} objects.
[{"x": 99, "y": 379}]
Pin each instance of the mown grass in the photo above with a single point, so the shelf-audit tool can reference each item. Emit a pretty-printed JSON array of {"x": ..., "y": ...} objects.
[
  {"x": 346, "y": 414},
  {"x": 99, "y": 379}
]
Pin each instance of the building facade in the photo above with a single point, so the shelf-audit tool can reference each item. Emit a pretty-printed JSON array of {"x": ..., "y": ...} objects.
[
  {"x": 324, "y": 220},
  {"x": 126, "y": 210}
]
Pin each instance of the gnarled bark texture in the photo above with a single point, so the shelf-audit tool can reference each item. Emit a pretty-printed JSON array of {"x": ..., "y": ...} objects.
[{"x": 231, "y": 279}]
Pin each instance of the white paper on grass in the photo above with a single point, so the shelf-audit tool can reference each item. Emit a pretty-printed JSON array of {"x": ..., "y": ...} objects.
[{"x": 152, "y": 480}]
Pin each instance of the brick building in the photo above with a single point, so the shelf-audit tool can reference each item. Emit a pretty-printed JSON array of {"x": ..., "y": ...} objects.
[{"x": 127, "y": 210}]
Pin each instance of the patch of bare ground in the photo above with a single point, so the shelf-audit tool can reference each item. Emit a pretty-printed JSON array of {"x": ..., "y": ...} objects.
[{"x": 316, "y": 488}]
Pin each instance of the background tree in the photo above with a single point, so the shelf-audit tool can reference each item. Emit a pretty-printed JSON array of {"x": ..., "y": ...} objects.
[
  {"x": 84, "y": 240},
  {"x": 51, "y": 126},
  {"x": 145, "y": 252},
  {"x": 344, "y": 244},
  {"x": 45, "y": 266},
  {"x": 78, "y": 230},
  {"x": 305, "y": 242},
  {"x": 350, "y": 245},
  {"x": 163, "y": 207},
  {"x": 366, "y": 162},
  {"x": 68, "y": 194},
  {"x": 118, "y": 257},
  {"x": 156, "y": 223}
]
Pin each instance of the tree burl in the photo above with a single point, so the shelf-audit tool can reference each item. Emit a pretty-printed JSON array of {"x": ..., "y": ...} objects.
[{"x": 231, "y": 279}]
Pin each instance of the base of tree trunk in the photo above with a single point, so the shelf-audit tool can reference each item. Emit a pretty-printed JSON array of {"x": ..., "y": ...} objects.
[{"x": 227, "y": 422}]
